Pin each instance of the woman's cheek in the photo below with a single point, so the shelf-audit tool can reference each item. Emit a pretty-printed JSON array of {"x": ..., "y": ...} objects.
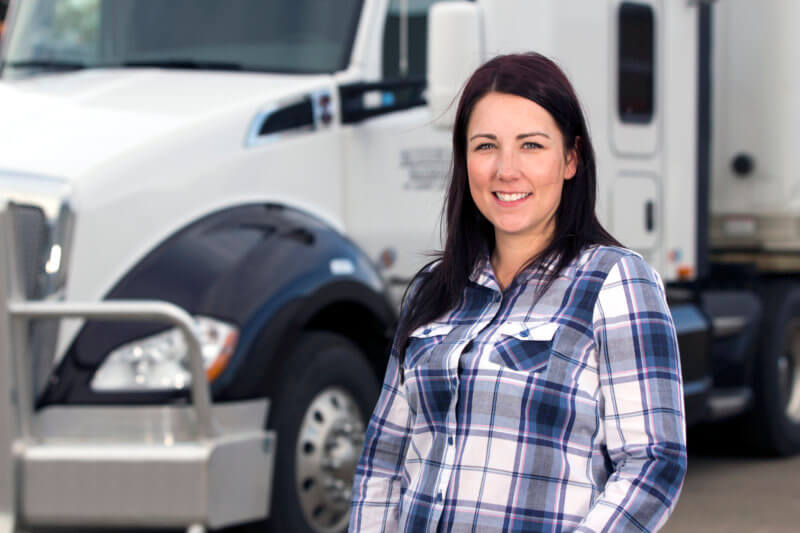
[
  {"x": 479, "y": 169},
  {"x": 545, "y": 173}
]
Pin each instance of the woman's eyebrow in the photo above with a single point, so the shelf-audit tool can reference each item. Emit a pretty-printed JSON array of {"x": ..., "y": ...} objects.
[
  {"x": 520, "y": 136},
  {"x": 487, "y": 135},
  {"x": 532, "y": 134}
]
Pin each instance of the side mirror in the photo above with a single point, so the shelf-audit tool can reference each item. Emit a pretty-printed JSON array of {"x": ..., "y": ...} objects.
[{"x": 455, "y": 50}]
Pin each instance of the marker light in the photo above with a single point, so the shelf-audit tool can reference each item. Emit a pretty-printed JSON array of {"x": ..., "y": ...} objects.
[{"x": 685, "y": 272}]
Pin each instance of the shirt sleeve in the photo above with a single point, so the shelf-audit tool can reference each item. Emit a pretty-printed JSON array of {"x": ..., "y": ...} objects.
[
  {"x": 641, "y": 401},
  {"x": 376, "y": 488},
  {"x": 378, "y": 479}
]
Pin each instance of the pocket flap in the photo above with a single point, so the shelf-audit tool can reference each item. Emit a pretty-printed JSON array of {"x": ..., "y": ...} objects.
[
  {"x": 433, "y": 329},
  {"x": 530, "y": 331}
]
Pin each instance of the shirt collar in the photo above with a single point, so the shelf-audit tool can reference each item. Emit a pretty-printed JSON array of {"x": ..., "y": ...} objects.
[{"x": 483, "y": 273}]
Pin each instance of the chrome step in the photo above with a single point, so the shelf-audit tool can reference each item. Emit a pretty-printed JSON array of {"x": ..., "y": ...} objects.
[{"x": 725, "y": 403}]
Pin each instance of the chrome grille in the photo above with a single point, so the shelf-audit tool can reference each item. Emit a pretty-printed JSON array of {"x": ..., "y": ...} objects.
[
  {"x": 30, "y": 227},
  {"x": 35, "y": 234},
  {"x": 41, "y": 221}
]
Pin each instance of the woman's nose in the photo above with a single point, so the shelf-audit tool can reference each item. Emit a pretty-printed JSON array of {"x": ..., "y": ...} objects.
[{"x": 507, "y": 165}]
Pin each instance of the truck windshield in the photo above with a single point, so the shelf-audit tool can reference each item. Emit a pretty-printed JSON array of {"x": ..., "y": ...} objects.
[{"x": 291, "y": 36}]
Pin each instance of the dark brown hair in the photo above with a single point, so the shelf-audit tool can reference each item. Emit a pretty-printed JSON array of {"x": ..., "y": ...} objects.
[{"x": 469, "y": 234}]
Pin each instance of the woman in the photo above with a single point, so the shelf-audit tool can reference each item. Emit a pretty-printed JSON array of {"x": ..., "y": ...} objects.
[{"x": 534, "y": 383}]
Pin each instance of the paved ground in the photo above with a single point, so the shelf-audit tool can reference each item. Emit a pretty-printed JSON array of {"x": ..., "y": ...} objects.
[{"x": 739, "y": 495}]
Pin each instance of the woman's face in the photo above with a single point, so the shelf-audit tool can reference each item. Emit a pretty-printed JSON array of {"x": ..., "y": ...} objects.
[{"x": 516, "y": 165}]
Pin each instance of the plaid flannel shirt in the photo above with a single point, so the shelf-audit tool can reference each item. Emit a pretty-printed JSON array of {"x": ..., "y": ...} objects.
[{"x": 562, "y": 414}]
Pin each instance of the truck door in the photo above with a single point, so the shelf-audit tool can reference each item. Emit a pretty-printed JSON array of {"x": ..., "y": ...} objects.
[
  {"x": 397, "y": 162},
  {"x": 635, "y": 126},
  {"x": 653, "y": 132}
]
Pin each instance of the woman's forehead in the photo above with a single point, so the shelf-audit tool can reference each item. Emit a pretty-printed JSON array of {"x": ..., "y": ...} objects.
[{"x": 508, "y": 114}]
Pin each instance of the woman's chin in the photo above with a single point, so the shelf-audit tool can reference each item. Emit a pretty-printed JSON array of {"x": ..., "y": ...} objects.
[
  {"x": 514, "y": 235},
  {"x": 514, "y": 229},
  {"x": 522, "y": 232}
]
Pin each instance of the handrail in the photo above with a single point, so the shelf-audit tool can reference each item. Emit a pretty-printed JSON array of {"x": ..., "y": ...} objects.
[
  {"x": 9, "y": 429},
  {"x": 130, "y": 311}
]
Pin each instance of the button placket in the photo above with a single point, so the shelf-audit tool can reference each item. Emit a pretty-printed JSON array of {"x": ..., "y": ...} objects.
[
  {"x": 448, "y": 458},
  {"x": 445, "y": 481},
  {"x": 441, "y": 486},
  {"x": 453, "y": 360},
  {"x": 446, "y": 472}
]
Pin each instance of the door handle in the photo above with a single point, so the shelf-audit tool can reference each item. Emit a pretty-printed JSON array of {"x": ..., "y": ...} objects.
[{"x": 649, "y": 218}]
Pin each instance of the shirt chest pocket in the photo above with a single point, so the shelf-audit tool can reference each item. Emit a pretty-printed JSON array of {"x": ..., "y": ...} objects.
[
  {"x": 524, "y": 346},
  {"x": 424, "y": 340}
]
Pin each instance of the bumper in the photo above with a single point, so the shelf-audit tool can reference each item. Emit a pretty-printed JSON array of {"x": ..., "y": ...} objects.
[
  {"x": 694, "y": 338},
  {"x": 198, "y": 464},
  {"x": 142, "y": 467}
]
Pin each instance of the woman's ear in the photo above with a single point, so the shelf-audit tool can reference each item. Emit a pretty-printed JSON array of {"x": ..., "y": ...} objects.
[{"x": 572, "y": 160}]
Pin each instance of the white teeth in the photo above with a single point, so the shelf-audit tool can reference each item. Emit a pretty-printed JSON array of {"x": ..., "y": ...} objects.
[{"x": 512, "y": 197}]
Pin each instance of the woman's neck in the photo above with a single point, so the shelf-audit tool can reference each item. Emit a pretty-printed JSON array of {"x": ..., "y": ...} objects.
[{"x": 511, "y": 253}]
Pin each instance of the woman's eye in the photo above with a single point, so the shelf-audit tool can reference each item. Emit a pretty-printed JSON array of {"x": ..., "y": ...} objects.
[
  {"x": 484, "y": 146},
  {"x": 531, "y": 145}
]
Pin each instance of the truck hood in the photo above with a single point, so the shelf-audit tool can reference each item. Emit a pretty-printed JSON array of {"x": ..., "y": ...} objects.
[{"x": 60, "y": 124}]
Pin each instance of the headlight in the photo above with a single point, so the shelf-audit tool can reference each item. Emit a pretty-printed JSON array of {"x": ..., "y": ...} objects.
[{"x": 162, "y": 361}]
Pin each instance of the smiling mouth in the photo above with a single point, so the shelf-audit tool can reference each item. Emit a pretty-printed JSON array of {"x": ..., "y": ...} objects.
[{"x": 510, "y": 197}]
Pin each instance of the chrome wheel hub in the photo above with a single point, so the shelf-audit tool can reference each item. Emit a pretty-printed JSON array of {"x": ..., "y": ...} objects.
[{"x": 328, "y": 446}]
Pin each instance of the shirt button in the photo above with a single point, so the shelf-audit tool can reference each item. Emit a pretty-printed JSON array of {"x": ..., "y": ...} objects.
[
  {"x": 450, "y": 440},
  {"x": 438, "y": 496}
]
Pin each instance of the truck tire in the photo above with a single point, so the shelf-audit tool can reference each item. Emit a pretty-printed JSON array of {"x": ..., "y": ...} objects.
[
  {"x": 319, "y": 410},
  {"x": 775, "y": 419}
]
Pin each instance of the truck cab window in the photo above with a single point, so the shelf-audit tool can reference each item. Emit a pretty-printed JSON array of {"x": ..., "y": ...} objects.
[
  {"x": 405, "y": 39},
  {"x": 71, "y": 35},
  {"x": 636, "y": 63},
  {"x": 298, "y": 36}
]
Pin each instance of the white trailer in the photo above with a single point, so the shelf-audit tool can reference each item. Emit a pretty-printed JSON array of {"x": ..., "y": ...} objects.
[
  {"x": 230, "y": 196},
  {"x": 755, "y": 201}
]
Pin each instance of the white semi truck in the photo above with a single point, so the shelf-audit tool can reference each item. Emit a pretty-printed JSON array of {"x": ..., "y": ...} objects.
[{"x": 209, "y": 209}]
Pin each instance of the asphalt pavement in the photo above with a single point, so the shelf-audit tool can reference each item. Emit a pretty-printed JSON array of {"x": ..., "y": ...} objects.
[{"x": 738, "y": 495}]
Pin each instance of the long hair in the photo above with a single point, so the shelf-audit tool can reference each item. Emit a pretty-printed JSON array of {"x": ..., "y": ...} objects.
[{"x": 438, "y": 287}]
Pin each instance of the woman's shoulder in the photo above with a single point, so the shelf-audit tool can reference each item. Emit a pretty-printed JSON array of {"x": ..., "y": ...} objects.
[
  {"x": 430, "y": 267},
  {"x": 603, "y": 259},
  {"x": 425, "y": 272},
  {"x": 422, "y": 274}
]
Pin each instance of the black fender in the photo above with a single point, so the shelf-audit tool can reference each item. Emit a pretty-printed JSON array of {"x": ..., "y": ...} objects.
[
  {"x": 270, "y": 269},
  {"x": 341, "y": 306}
]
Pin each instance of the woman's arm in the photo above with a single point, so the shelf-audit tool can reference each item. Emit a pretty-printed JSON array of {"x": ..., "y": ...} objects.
[
  {"x": 376, "y": 489},
  {"x": 377, "y": 484},
  {"x": 641, "y": 401}
]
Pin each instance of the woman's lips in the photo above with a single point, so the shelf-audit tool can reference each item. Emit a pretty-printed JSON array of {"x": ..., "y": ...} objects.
[{"x": 511, "y": 198}]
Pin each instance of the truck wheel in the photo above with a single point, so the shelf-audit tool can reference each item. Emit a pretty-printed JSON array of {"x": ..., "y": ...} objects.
[
  {"x": 776, "y": 413},
  {"x": 320, "y": 409}
]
